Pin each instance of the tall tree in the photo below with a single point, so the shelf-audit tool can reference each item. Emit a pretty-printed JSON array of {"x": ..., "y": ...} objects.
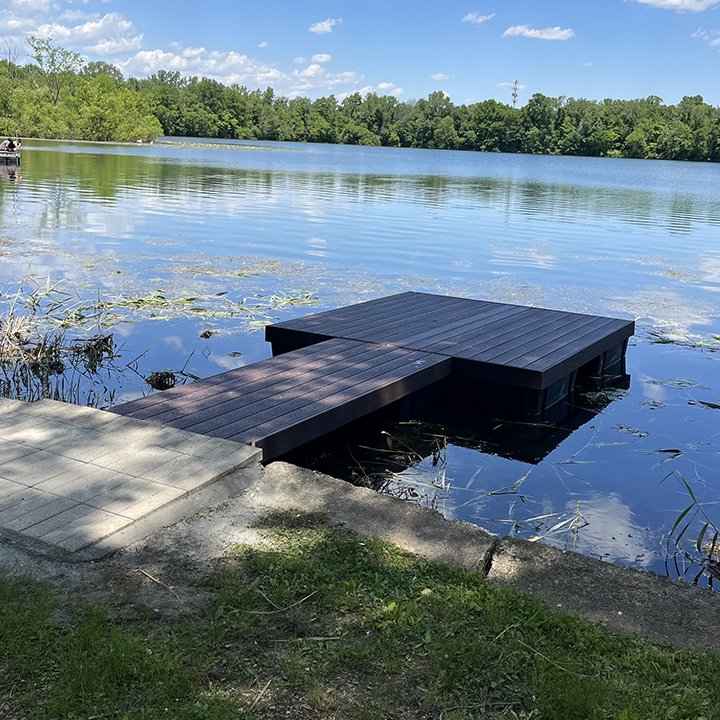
[
  {"x": 56, "y": 64},
  {"x": 9, "y": 54}
]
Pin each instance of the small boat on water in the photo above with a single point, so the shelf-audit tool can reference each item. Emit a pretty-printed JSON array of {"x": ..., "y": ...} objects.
[{"x": 9, "y": 158}]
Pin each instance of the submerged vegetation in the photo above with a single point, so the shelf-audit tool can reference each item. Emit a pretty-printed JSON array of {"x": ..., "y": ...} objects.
[
  {"x": 58, "y": 96},
  {"x": 314, "y": 623},
  {"x": 39, "y": 358}
]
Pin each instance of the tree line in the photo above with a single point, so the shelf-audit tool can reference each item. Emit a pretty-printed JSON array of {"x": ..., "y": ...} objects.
[{"x": 60, "y": 96}]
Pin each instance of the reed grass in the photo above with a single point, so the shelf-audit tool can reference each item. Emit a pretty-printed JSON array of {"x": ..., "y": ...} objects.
[{"x": 37, "y": 358}]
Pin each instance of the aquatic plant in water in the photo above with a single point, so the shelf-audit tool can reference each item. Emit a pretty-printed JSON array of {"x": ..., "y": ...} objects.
[
  {"x": 703, "y": 553},
  {"x": 37, "y": 358}
]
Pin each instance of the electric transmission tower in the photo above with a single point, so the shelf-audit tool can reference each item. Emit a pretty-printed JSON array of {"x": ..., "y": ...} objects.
[{"x": 515, "y": 86}]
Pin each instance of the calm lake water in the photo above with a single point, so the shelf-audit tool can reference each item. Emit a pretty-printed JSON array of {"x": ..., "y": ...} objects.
[{"x": 253, "y": 231}]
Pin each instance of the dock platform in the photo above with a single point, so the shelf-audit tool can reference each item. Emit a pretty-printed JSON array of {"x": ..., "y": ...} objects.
[
  {"x": 9, "y": 158},
  {"x": 334, "y": 367}
]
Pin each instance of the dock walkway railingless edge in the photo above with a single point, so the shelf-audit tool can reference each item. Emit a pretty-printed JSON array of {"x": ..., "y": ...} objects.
[{"x": 334, "y": 367}]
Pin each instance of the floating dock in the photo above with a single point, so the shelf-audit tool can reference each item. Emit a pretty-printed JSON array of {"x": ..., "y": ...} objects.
[
  {"x": 335, "y": 367},
  {"x": 9, "y": 158}
]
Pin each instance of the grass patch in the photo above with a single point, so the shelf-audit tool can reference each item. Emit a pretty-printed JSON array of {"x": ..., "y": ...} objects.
[{"x": 314, "y": 623}]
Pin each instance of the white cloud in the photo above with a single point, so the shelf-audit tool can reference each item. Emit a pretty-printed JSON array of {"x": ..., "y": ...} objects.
[
  {"x": 440, "y": 76},
  {"x": 477, "y": 19},
  {"x": 31, "y": 5},
  {"x": 712, "y": 37},
  {"x": 552, "y": 33},
  {"x": 321, "y": 58},
  {"x": 192, "y": 52},
  {"x": 111, "y": 34},
  {"x": 311, "y": 71},
  {"x": 587, "y": 64},
  {"x": 326, "y": 26},
  {"x": 300, "y": 60},
  {"x": 263, "y": 44},
  {"x": 232, "y": 67},
  {"x": 122, "y": 46},
  {"x": 383, "y": 88},
  {"x": 509, "y": 84},
  {"x": 77, "y": 15},
  {"x": 682, "y": 6}
]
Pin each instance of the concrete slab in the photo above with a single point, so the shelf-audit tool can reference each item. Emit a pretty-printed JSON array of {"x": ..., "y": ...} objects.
[
  {"x": 40, "y": 508},
  {"x": 12, "y": 450},
  {"x": 419, "y": 530},
  {"x": 188, "y": 508},
  {"x": 71, "y": 477},
  {"x": 78, "y": 528},
  {"x": 39, "y": 466},
  {"x": 135, "y": 498},
  {"x": 8, "y": 489},
  {"x": 7, "y": 405},
  {"x": 622, "y": 599},
  {"x": 85, "y": 485}
]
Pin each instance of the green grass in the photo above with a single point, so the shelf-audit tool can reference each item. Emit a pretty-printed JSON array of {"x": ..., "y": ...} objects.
[{"x": 319, "y": 624}]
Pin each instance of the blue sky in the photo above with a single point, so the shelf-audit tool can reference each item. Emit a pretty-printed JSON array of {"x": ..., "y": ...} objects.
[{"x": 470, "y": 49}]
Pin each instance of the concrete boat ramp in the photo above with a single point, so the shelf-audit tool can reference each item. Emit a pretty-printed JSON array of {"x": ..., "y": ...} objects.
[{"x": 86, "y": 482}]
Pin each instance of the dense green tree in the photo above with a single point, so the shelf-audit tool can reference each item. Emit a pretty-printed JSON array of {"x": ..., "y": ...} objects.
[
  {"x": 58, "y": 96},
  {"x": 94, "y": 69}
]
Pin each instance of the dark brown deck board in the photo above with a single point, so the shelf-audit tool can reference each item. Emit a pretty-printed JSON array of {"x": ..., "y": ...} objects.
[
  {"x": 498, "y": 339},
  {"x": 260, "y": 380},
  {"x": 364, "y": 315},
  {"x": 534, "y": 345},
  {"x": 497, "y": 334},
  {"x": 316, "y": 419},
  {"x": 356, "y": 359},
  {"x": 223, "y": 382},
  {"x": 270, "y": 402},
  {"x": 453, "y": 333},
  {"x": 311, "y": 399},
  {"x": 561, "y": 345},
  {"x": 412, "y": 315},
  {"x": 485, "y": 329},
  {"x": 514, "y": 341},
  {"x": 328, "y": 397}
]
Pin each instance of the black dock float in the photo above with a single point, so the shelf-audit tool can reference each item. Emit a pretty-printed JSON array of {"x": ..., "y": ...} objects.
[
  {"x": 334, "y": 367},
  {"x": 9, "y": 158}
]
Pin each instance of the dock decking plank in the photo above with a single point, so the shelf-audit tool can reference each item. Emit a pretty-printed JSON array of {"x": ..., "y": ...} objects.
[
  {"x": 560, "y": 345},
  {"x": 481, "y": 331},
  {"x": 315, "y": 420},
  {"x": 220, "y": 383},
  {"x": 356, "y": 359},
  {"x": 239, "y": 420},
  {"x": 393, "y": 329},
  {"x": 456, "y": 331},
  {"x": 513, "y": 341},
  {"x": 532, "y": 345},
  {"x": 415, "y": 310},
  {"x": 269, "y": 398},
  {"x": 554, "y": 368}
]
